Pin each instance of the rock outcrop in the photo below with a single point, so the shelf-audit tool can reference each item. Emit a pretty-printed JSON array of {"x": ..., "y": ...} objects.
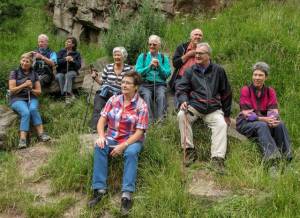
[
  {"x": 87, "y": 19},
  {"x": 7, "y": 117}
]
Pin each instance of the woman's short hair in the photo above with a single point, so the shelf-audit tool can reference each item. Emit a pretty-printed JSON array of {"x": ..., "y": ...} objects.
[
  {"x": 154, "y": 38},
  {"x": 262, "y": 66},
  {"x": 27, "y": 55},
  {"x": 137, "y": 79},
  {"x": 74, "y": 42},
  {"x": 122, "y": 50}
]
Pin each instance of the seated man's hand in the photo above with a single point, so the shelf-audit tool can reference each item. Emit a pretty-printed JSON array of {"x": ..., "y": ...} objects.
[
  {"x": 69, "y": 58},
  {"x": 94, "y": 74},
  {"x": 118, "y": 150},
  {"x": 227, "y": 120},
  {"x": 184, "y": 106},
  {"x": 191, "y": 53},
  {"x": 100, "y": 142}
]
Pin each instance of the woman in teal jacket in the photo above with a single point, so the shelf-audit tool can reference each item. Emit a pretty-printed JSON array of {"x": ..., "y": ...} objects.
[{"x": 154, "y": 67}]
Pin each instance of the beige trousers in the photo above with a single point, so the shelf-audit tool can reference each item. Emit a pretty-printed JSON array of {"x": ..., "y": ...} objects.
[{"x": 215, "y": 122}]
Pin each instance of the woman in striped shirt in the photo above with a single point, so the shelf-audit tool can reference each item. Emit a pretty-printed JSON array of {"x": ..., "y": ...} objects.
[{"x": 110, "y": 82}]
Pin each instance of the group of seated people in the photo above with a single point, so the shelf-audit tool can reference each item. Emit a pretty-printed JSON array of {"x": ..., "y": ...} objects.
[{"x": 129, "y": 100}]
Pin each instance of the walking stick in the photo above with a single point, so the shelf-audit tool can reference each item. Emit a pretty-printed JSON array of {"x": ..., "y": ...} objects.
[
  {"x": 184, "y": 138},
  {"x": 154, "y": 97},
  {"x": 66, "y": 81},
  {"x": 89, "y": 97}
]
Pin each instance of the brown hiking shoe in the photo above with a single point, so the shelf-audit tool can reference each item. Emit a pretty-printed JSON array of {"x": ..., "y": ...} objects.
[{"x": 190, "y": 156}]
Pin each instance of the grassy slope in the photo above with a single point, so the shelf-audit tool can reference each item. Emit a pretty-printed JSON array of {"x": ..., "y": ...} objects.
[{"x": 243, "y": 34}]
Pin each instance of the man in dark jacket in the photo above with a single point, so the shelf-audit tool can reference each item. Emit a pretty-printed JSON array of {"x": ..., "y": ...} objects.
[
  {"x": 184, "y": 56},
  {"x": 204, "y": 92},
  {"x": 44, "y": 61}
]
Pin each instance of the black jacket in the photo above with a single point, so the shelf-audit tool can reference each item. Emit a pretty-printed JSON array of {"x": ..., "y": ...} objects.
[
  {"x": 177, "y": 63},
  {"x": 62, "y": 63},
  {"x": 206, "y": 92}
]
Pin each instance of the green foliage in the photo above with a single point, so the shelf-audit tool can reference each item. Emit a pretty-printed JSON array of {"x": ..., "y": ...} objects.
[
  {"x": 132, "y": 32},
  {"x": 9, "y": 9},
  {"x": 51, "y": 209}
]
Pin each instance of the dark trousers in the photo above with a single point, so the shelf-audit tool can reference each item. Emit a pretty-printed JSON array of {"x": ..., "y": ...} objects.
[
  {"x": 99, "y": 103},
  {"x": 272, "y": 141}
]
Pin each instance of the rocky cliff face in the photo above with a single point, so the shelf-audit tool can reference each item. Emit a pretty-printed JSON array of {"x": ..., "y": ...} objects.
[{"x": 86, "y": 19}]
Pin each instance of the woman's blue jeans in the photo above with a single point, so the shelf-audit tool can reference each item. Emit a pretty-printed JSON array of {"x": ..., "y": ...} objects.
[
  {"x": 27, "y": 110},
  {"x": 100, "y": 171}
]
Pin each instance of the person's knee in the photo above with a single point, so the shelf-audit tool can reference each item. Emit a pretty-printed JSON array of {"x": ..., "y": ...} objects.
[
  {"x": 25, "y": 113},
  {"x": 59, "y": 76},
  {"x": 33, "y": 110},
  {"x": 161, "y": 95},
  {"x": 262, "y": 125},
  {"x": 131, "y": 153},
  {"x": 70, "y": 75}
]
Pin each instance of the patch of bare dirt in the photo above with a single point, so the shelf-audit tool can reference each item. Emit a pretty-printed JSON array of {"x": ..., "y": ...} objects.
[
  {"x": 11, "y": 213},
  {"x": 202, "y": 185},
  {"x": 31, "y": 158}
]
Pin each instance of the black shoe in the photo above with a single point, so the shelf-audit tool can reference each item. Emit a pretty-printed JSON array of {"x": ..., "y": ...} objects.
[
  {"x": 190, "y": 156},
  {"x": 98, "y": 195},
  {"x": 218, "y": 165},
  {"x": 126, "y": 205}
]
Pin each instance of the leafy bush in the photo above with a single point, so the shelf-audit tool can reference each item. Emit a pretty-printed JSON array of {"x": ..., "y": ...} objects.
[
  {"x": 9, "y": 9},
  {"x": 132, "y": 32}
]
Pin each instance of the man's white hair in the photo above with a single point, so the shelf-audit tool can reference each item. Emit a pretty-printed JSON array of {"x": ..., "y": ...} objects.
[
  {"x": 154, "y": 38},
  {"x": 43, "y": 36}
]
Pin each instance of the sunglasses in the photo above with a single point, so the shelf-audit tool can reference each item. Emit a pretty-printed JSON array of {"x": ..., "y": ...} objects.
[{"x": 152, "y": 44}]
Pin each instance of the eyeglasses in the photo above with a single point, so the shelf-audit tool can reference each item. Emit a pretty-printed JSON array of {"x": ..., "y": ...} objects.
[
  {"x": 152, "y": 44},
  {"x": 201, "y": 53},
  {"x": 124, "y": 82}
]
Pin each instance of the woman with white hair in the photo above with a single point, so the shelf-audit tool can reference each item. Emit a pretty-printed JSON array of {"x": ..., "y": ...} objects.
[
  {"x": 259, "y": 116},
  {"x": 154, "y": 67},
  {"x": 110, "y": 82}
]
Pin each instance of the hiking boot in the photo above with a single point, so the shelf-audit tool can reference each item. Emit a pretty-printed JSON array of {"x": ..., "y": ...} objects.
[
  {"x": 97, "y": 196},
  {"x": 126, "y": 205},
  {"x": 44, "y": 137},
  {"x": 190, "y": 156},
  {"x": 68, "y": 99},
  {"x": 217, "y": 164},
  {"x": 22, "y": 144}
]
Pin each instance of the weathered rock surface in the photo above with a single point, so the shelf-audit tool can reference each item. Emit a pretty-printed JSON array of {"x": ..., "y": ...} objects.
[
  {"x": 7, "y": 117},
  {"x": 203, "y": 185},
  {"x": 86, "y": 20}
]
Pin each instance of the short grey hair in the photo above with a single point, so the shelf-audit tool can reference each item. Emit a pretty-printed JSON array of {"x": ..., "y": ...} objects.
[
  {"x": 122, "y": 50},
  {"x": 43, "y": 36},
  {"x": 205, "y": 44},
  {"x": 154, "y": 38},
  {"x": 262, "y": 66}
]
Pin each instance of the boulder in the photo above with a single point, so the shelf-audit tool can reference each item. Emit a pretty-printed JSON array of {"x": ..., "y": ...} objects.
[
  {"x": 7, "y": 118},
  {"x": 87, "y": 20}
]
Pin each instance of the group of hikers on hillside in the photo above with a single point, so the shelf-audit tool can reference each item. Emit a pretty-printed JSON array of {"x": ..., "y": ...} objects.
[{"x": 131, "y": 98}]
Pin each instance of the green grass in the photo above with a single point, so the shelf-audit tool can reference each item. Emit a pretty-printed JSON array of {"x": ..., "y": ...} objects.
[{"x": 245, "y": 32}]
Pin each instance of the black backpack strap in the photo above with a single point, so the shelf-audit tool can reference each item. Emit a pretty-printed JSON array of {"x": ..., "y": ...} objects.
[{"x": 144, "y": 58}]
